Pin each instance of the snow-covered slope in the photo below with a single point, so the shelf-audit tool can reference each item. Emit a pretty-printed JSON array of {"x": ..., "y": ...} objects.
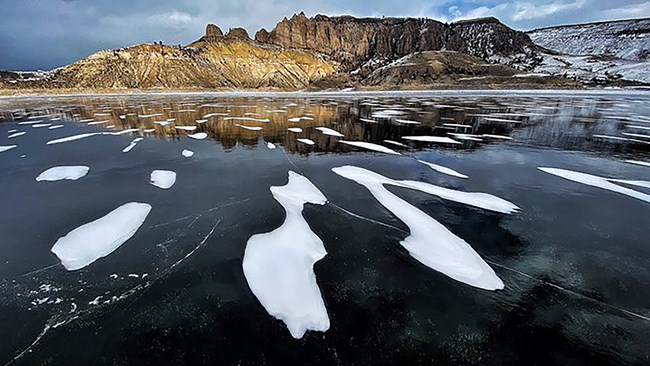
[
  {"x": 626, "y": 39},
  {"x": 597, "y": 53}
]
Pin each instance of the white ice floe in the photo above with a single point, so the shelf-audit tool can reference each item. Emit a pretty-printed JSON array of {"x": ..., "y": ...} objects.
[
  {"x": 250, "y": 128},
  {"x": 185, "y": 128},
  {"x": 132, "y": 144},
  {"x": 187, "y": 153},
  {"x": 87, "y": 243},
  {"x": 7, "y": 147},
  {"x": 596, "y": 181},
  {"x": 395, "y": 143},
  {"x": 164, "y": 179},
  {"x": 295, "y": 129},
  {"x": 12, "y": 131},
  {"x": 436, "y": 139},
  {"x": 306, "y": 141},
  {"x": 278, "y": 265},
  {"x": 16, "y": 134},
  {"x": 72, "y": 138},
  {"x": 270, "y": 145},
  {"x": 368, "y": 120},
  {"x": 123, "y": 132},
  {"x": 329, "y": 131},
  {"x": 198, "y": 136},
  {"x": 443, "y": 169},
  {"x": 263, "y": 120},
  {"x": 498, "y": 137},
  {"x": 407, "y": 121},
  {"x": 465, "y": 137},
  {"x": 637, "y": 162},
  {"x": 54, "y": 127},
  {"x": 429, "y": 241},
  {"x": 370, "y": 146},
  {"x": 71, "y": 172},
  {"x": 214, "y": 115},
  {"x": 638, "y": 183},
  {"x": 41, "y": 125}
]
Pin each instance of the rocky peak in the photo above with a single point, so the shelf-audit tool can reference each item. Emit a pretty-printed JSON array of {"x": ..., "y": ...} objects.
[
  {"x": 262, "y": 36},
  {"x": 237, "y": 33},
  {"x": 212, "y": 33}
]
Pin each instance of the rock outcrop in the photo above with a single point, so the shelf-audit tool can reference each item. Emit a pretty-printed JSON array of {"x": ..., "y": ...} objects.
[
  {"x": 212, "y": 33},
  {"x": 237, "y": 33},
  {"x": 357, "y": 40}
]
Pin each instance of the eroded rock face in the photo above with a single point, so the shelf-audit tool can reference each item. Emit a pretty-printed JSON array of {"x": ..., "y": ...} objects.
[
  {"x": 237, "y": 33},
  {"x": 350, "y": 39},
  {"x": 262, "y": 36},
  {"x": 212, "y": 33}
]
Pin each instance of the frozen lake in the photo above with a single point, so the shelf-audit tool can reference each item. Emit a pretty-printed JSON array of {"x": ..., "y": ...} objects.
[{"x": 476, "y": 228}]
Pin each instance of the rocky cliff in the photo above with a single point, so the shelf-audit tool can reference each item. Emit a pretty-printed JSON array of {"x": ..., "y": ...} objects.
[
  {"x": 355, "y": 41},
  {"x": 214, "y": 61}
]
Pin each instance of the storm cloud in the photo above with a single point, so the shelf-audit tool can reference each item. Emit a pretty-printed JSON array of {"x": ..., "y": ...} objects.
[{"x": 43, "y": 34}]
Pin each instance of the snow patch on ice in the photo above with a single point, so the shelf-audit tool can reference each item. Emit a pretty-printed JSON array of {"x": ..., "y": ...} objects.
[
  {"x": 278, "y": 265},
  {"x": 187, "y": 153},
  {"x": 164, "y": 179},
  {"x": 430, "y": 242},
  {"x": 7, "y": 148},
  {"x": 436, "y": 139},
  {"x": 72, "y": 172},
  {"x": 306, "y": 141},
  {"x": 443, "y": 169},
  {"x": 87, "y": 243},
  {"x": 329, "y": 131},
  {"x": 370, "y": 146},
  {"x": 132, "y": 144},
  {"x": 198, "y": 136},
  {"x": 596, "y": 181}
]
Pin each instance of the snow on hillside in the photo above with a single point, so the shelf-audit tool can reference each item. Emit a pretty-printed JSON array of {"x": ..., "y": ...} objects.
[{"x": 627, "y": 39}]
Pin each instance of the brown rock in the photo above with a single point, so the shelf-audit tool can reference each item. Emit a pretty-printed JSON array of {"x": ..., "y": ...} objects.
[
  {"x": 262, "y": 36},
  {"x": 237, "y": 33},
  {"x": 212, "y": 33}
]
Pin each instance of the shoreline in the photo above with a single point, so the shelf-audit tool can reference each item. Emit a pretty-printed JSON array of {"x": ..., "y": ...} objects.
[{"x": 325, "y": 93}]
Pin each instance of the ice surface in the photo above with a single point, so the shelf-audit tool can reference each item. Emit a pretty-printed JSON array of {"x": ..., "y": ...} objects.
[
  {"x": 329, "y": 131},
  {"x": 16, "y": 134},
  {"x": 187, "y": 153},
  {"x": 595, "y": 181},
  {"x": 198, "y": 136},
  {"x": 638, "y": 183},
  {"x": 250, "y": 128},
  {"x": 54, "y": 127},
  {"x": 430, "y": 242},
  {"x": 370, "y": 146},
  {"x": 41, "y": 125},
  {"x": 132, "y": 144},
  {"x": 436, "y": 139},
  {"x": 71, "y": 172},
  {"x": 295, "y": 129},
  {"x": 164, "y": 179},
  {"x": 637, "y": 162},
  {"x": 270, "y": 145},
  {"x": 87, "y": 243},
  {"x": 185, "y": 128},
  {"x": 443, "y": 169},
  {"x": 306, "y": 141},
  {"x": 278, "y": 265},
  {"x": 7, "y": 147}
]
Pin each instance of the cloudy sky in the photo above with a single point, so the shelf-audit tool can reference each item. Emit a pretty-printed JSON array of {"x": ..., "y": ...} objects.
[{"x": 43, "y": 34}]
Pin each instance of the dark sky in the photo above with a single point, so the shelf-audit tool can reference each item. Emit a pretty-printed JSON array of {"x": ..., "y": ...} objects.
[{"x": 43, "y": 34}]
